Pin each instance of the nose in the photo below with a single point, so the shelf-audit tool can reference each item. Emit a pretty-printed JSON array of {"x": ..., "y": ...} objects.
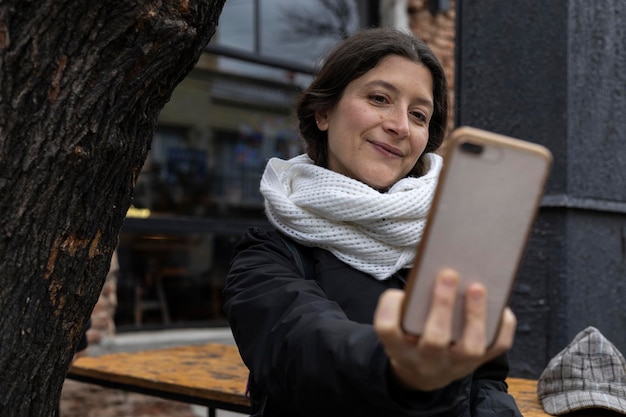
[{"x": 396, "y": 122}]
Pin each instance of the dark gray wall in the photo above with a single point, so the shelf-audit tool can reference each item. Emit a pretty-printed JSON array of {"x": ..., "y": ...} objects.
[{"x": 554, "y": 72}]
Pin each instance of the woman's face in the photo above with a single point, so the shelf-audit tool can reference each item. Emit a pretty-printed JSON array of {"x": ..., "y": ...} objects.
[{"x": 379, "y": 128}]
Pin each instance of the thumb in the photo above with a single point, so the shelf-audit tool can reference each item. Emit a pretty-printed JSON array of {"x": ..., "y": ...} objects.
[{"x": 387, "y": 314}]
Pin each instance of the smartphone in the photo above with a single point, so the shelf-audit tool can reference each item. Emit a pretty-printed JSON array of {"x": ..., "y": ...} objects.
[{"x": 485, "y": 204}]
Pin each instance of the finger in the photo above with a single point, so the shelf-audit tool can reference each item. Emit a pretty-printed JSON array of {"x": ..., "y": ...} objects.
[
  {"x": 506, "y": 335},
  {"x": 387, "y": 326},
  {"x": 387, "y": 316},
  {"x": 438, "y": 327},
  {"x": 473, "y": 341}
]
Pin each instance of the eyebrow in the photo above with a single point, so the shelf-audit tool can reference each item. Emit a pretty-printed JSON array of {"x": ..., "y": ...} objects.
[{"x": 420, "y": 100}]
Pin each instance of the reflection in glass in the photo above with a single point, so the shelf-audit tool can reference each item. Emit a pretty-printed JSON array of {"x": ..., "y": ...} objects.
[
  {"x": 199, "y": 186},
  {"x": 301, "y": 31}
]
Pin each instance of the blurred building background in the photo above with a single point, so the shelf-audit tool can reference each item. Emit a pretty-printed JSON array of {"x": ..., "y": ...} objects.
[{"x": 198, "y": 190}]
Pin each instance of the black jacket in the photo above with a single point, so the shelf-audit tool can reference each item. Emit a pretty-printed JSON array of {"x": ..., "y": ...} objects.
[{"x": 311, "y": 347}]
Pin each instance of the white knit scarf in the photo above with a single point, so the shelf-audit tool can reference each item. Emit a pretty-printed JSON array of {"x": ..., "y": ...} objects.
[{"x": 374, "y": 232}]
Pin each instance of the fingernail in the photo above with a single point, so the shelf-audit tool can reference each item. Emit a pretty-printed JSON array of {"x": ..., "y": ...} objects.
[
  {"x": 477, "y": 294},
  {"x": 448, "y": 278}
]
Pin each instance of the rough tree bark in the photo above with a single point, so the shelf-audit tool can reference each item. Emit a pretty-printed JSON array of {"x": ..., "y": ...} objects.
[{"x": 81, "y": 86}]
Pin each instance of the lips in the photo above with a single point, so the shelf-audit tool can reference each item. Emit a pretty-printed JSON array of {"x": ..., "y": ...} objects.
[{"x": 387, "y": 149}]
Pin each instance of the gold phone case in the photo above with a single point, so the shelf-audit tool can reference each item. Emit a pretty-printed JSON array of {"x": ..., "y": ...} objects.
[{"x": 484, "y": 207}]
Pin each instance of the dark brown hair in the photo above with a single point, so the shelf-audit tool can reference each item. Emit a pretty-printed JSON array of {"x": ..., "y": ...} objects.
[{"x": 353, "y": 58}]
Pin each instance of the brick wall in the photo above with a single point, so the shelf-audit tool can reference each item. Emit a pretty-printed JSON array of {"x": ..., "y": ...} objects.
[
  {"x": 103, "y": 314},
  {"x": 438, "y": 31}
]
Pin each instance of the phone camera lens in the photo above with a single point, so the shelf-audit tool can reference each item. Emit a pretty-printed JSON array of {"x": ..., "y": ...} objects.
[{"x": 473, "y": 148}]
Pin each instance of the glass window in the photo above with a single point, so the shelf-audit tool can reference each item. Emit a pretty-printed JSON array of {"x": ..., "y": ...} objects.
[
  {"x": 199, "y": 187},
  {"x": 296, "y": 31}
]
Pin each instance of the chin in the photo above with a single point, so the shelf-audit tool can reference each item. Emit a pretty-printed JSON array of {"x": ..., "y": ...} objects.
[
  {"x": 381, "y": 181},
  {"x": 381, "y": 187}
]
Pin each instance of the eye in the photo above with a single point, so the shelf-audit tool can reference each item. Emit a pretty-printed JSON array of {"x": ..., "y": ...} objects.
[
  {"x": 378, "y": 99},
  {"x": 419, "y": 116}
]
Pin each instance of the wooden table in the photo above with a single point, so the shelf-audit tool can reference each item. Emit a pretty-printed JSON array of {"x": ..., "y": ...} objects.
[
  {"x": 525, "y": 393},
  {"x": 211, "y": 375}
]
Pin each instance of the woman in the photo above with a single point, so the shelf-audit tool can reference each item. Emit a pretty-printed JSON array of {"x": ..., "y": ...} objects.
[{"x": 314, "y": 303}]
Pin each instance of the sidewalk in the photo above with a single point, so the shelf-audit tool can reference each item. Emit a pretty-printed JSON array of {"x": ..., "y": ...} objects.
[{"x": 87, "y": 400}]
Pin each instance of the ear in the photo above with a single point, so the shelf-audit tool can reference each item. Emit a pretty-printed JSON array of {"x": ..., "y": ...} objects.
[{"x": 321, "y": 118}]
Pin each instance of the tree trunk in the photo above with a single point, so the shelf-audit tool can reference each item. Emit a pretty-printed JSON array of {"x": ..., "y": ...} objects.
[{"x": 81, "y": 86}]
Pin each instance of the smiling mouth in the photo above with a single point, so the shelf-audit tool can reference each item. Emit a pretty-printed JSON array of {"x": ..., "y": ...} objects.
[{"x": 386, "y": 149}]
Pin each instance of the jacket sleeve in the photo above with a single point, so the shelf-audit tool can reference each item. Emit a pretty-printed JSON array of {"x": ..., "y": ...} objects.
[
  {"x": 301, "y": 348},
  {"x": 489, "y": 396}
]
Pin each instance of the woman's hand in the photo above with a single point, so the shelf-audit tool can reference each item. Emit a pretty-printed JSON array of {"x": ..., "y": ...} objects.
[{"x": 430, "y": 361}]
